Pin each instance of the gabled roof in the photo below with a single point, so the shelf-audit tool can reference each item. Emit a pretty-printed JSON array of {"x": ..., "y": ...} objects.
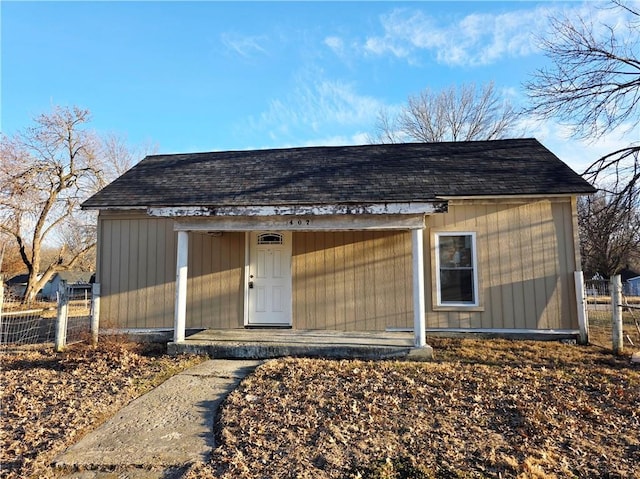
[
  {"x": 18, "y": 279},
  {"x": 75, "y": 277},
  {"x": 627, "y": 273},
  {"x": 343, "y": 174}
]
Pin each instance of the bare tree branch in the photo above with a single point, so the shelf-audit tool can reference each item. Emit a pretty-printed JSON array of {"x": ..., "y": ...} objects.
[
  {"x": 593, "y": 85},
  {"x": 454, "y": 114},
  {"x": 43, "y": 169},
  {"x": 45, "y": 172},
  {"x": 609, "y": 234}
]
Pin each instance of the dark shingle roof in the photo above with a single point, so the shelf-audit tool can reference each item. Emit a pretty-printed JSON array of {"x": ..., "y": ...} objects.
[
  {"x": 347, "y": 174},
  {"x": 75, "y": 277}
]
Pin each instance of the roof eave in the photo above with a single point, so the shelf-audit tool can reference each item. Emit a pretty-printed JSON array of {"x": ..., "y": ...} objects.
[
  {"x": 111, "y": 207},
  {"x": 515, "y": 196}
]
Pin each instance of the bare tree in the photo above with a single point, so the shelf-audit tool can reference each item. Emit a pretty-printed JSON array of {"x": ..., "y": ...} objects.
[
  {"x": 118, "y": 155},
  {"x": 45, "y": 170},
  {"x": 10, "y": 261},
  {"x": 593, "y": 85},
  {"x": 609, "y": 234},
  {"x": 455, "y": 114}
]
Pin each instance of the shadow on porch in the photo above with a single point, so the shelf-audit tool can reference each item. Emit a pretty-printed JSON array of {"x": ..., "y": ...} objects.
[{"x": 265, "y": 343}]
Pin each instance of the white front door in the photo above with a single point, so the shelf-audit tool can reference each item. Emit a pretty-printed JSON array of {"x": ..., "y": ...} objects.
[{"x": 269, "y": 279}]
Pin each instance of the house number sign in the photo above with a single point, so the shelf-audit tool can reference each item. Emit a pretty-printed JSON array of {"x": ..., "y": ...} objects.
[{"x": 299, "y": 222}]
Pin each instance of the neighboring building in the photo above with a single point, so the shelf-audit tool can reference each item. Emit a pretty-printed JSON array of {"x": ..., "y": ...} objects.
[
  {"x": 631, "y": 287},
  {"x": 74, "y": 279},
  {"x": 17, "y": 285},
  {"x": 629, "y": 280},
  {"x": 469, "y": 236}
]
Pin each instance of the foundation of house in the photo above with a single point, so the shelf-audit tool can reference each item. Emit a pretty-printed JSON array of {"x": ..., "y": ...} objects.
[{"x": 257, "y": 343}]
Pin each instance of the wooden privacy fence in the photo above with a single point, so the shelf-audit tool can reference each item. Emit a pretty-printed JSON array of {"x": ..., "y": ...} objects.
[
  {"x": 71, "y": 318},
  {"x": 613, "y": 317}
]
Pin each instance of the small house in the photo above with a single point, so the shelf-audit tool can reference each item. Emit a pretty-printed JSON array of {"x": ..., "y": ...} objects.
[
  {"x": 77, "y": 280},
  {"x": 632, "y": 286},
  {"x": 17, "y": 285},
  {"x": 477, "y": 236}
]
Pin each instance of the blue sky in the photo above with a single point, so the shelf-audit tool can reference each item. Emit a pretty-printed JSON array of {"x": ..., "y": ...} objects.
[{"x": 203, "y": 76}]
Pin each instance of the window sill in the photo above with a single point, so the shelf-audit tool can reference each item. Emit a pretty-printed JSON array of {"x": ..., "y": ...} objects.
[{"x": 457, "y": 307}]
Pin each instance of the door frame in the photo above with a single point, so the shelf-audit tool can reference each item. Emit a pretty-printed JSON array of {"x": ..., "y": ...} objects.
[{"x": 247, "y": 267}]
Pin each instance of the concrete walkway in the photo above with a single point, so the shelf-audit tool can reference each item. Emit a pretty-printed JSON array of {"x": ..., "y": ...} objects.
[{"x": 159, "y": 434}]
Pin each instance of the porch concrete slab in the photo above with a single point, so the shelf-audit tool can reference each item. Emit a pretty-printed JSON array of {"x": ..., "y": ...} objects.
[
  {"x": 170, "y": 426},
  {"x": 273, "y": 343}
]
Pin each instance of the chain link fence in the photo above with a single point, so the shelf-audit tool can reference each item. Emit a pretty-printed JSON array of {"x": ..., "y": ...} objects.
[
  {"x": 63, "y": 321},
  {"x": 600, "y": 315}
]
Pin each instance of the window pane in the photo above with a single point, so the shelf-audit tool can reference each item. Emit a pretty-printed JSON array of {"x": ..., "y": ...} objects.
[
  {"x": 456, "y": 269},
  {"x": 455, "y": 251},
  {"x": 269, "y": 238},
  {"x": 456, "y": 286}
]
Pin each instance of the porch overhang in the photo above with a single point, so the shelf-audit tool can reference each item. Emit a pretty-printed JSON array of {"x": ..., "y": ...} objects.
[{"x": 337, "y": 217}]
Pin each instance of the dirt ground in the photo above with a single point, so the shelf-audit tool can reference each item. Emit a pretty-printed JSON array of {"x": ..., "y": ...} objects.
[{"x": 482, "y": 408}]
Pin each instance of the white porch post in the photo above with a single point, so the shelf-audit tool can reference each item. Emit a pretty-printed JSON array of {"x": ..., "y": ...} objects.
[
  {"x": 419, "y": 323},
  {"x": 181, "y": 287}
]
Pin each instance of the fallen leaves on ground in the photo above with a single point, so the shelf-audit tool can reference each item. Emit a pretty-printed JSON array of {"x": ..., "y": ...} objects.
[
  {"x": 49, "y": 400},
  {"x": 484, "y": 409}
]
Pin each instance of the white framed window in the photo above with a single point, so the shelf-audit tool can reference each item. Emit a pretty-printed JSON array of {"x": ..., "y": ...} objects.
[{"x": 456, "y": 269}]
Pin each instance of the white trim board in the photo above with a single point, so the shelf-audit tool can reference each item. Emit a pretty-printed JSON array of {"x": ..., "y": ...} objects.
[
  {"x": 551, "y": 332},
  {"x": 301, "y": 223}
]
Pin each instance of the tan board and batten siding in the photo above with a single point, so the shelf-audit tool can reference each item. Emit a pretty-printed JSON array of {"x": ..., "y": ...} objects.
[
  {"x": 137, "y": 271},
  {"x": 351, "y": 280},
  {"x": 526, "y": 260}
]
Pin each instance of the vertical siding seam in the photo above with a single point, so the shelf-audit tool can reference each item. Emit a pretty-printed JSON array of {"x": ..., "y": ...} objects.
[
  {"x": 497, "y": 289},
  {"x": 484, "y": 265},
  {"x": 152, "y": 271}
]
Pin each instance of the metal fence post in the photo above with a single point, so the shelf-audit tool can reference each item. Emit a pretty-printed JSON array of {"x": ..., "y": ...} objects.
[
  {"x": 62, "y": 316},
  {"x": 616, "y": 305},
  {"x": 95, "y": 313}
]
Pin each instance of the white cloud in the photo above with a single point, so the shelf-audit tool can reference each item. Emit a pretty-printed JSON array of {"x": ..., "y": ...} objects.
[
  {"x": 318, "y": 111},
  {"x": 381, "y": 46},
  {"x": 358, "y": 138},
  {"x": 476, "y": 39},
  {"x": 336, "y": 44},
  {"x": 244, "y": 45}
]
